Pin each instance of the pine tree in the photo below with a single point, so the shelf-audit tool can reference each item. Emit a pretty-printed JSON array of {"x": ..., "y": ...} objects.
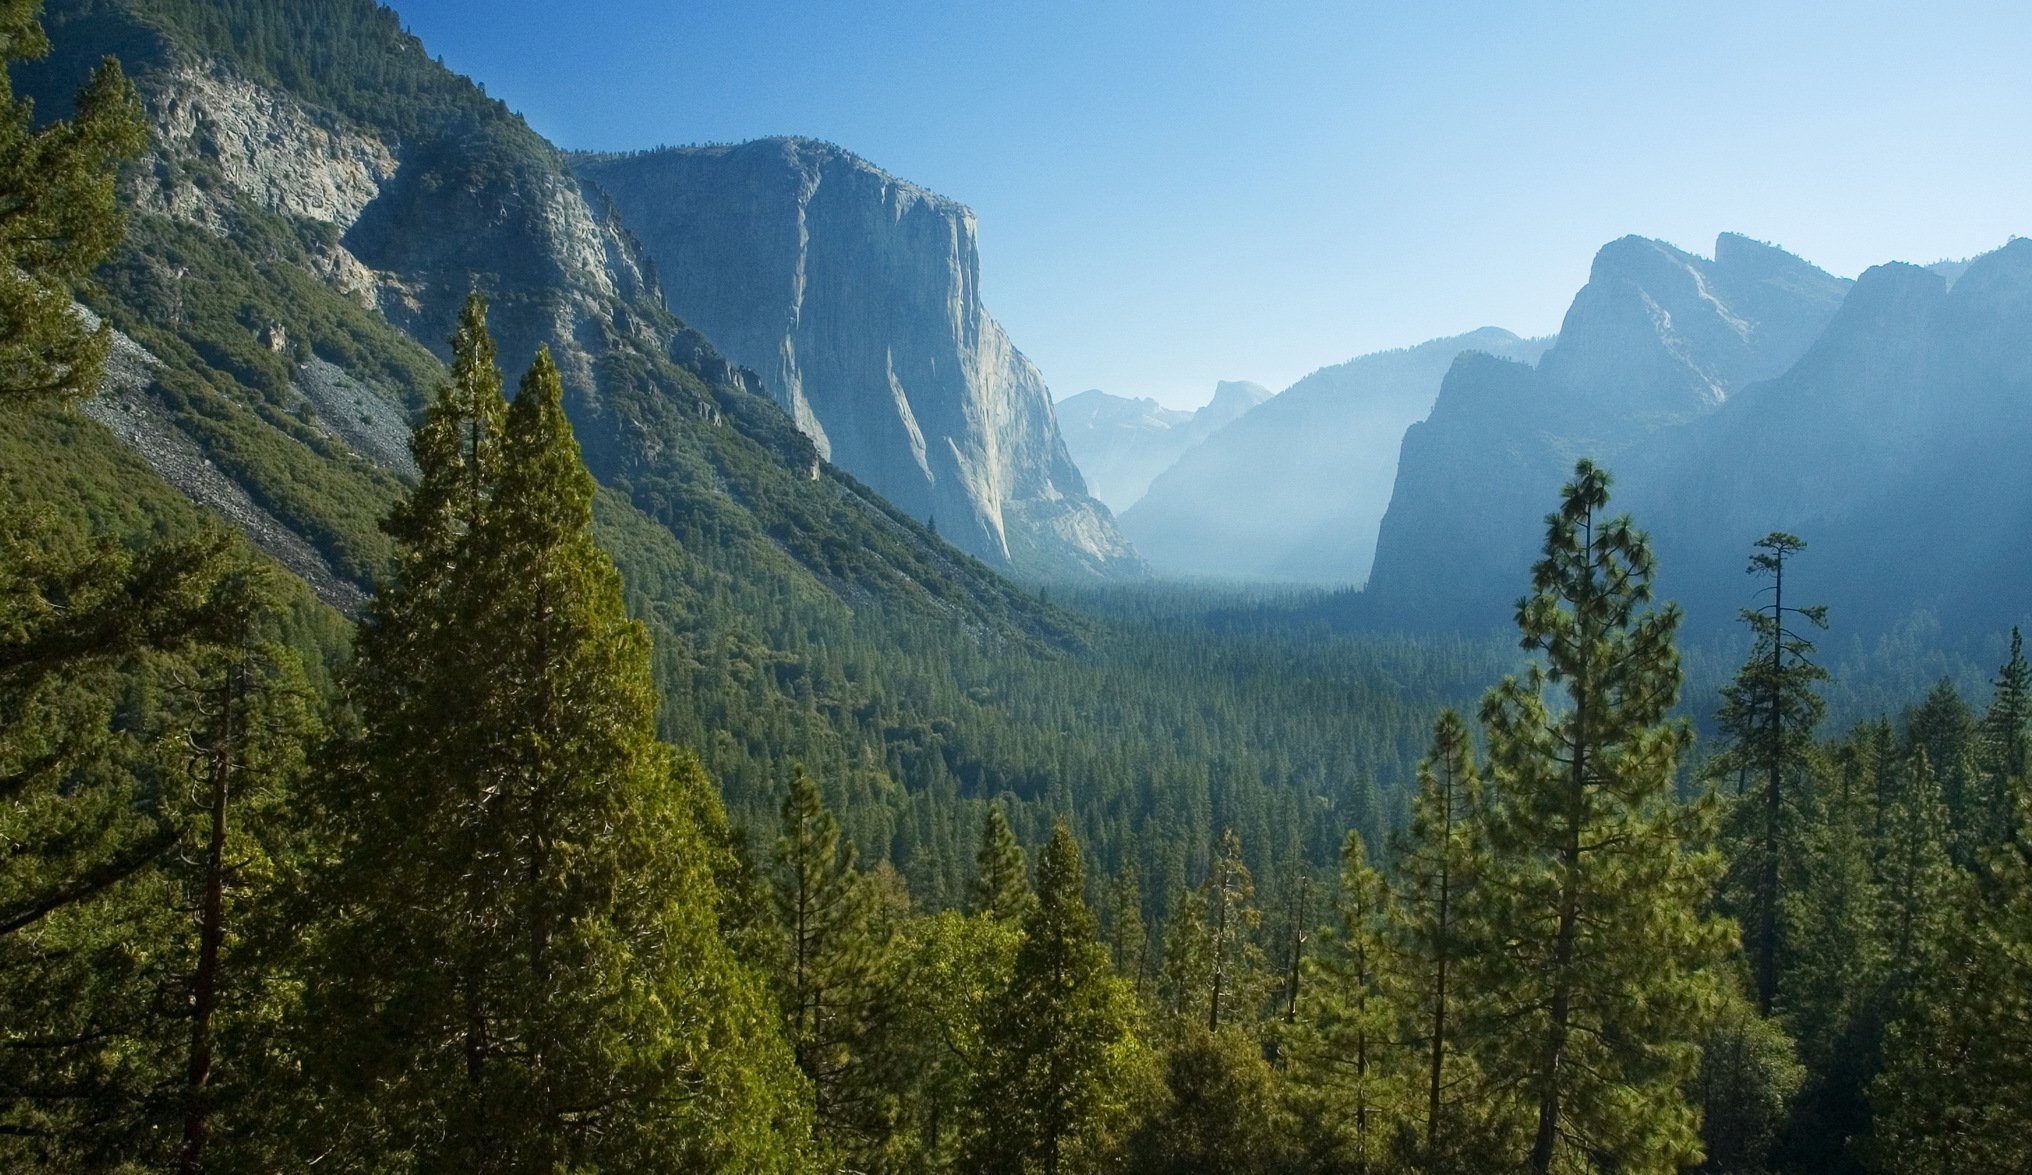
[
  {"x": 59, "y": 217},
  {"x": 1052, "y": 1086},
  {"x": 1234, "y": 963},
  {"x": 525, "y": 970},
  {"x": 1000, "y": 888},
  {"x": 1129, "y": 936},
  {"x": 1347, "y": 1059},
  {"x": 1837, "y": 958},
  {"x": 831, "y": 955},
  {"x": 2003, "y": 748},
  {"x": 1767, "y": 720},
  {"x": 1437, "y": 860},
  {"x": 1956, "y": 1092},
  {"x": 1597, "y": 961}
]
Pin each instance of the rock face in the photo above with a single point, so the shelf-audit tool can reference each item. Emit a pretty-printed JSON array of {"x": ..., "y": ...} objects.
[
  {"x": 1295, "y": 489},
  {"x": 1120, "y": 444},
  {"x": 1886, "y": 428},
  {"x": 1895, "y": 446},
  {"x": 1656, "y": 339},
  {"x": 855, "y": 296}
]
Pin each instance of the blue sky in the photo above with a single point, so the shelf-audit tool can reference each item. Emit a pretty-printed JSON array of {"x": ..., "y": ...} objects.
[{"x": 1173, "y": 193}]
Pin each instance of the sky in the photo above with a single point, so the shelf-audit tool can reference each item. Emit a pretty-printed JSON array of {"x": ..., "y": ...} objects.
[{"x": 1172, "y": 192}]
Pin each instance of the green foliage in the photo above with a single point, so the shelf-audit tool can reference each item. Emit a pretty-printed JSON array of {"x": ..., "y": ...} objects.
[
  {"x": 1052, "y": 1089},
  {"x": 831, "y": 953},
  {"x": 1439, "y": 858},
  {"x": 1220, "y": 1110},
  {"x": 58, "y": 216},
  {"x": 1767, "y": 722},
  {"x": 525, "y": 938},
  {"x": 1956, "y": 1091},
  {"x": 1598, "y": 960},
  {"x": 946, "y": 979},
  {"x": 1749, "y": 1072},
  {"x": 1000, "y": 889},
  {"x": 1355, "y": 1082}
]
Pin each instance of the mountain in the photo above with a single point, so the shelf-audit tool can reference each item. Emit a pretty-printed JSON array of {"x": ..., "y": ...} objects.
[
  {"x": 1657, "y": 338},
  {"x": 1121, "y": 444},
  {"x": 1895, "y": 446},
  {"x": 855, "y": 295},
  {"x": 1883, "y": 421},
  {"x": 1295, "y": 489}
]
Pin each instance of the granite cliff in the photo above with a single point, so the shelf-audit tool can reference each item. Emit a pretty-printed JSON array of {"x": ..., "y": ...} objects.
[{"x": 855, "y": 296}]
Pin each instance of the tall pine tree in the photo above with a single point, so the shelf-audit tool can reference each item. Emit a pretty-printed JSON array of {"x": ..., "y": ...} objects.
[
  {"x": 1597, "y": 955},
  {"x": 525, "y": 970},
  {"x": 1052, "y": 1088}
]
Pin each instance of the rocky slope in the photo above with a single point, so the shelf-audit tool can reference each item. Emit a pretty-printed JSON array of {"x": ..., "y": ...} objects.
[
  {"x": 855, "y": 296},
  {"x": 1121, "y": 444},
  {"x": 1657, "y": 338},
  {"x": 318, "y": 198},
  {"x": 1295, "y": 489}
]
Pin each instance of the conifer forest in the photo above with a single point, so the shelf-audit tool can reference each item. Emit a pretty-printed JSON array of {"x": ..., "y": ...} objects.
[{"x": 453, "y": 719}]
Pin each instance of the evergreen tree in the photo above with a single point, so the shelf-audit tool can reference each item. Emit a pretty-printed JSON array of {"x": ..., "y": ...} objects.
[
  {"x": 1234, "y": 963},
  {"x": 1000, "y": 888},
  {"x": 1767, "y": 720},
  {"x": 1597, "y": 961},
  {"x": 1944, "y": 729},
  {"x": 1052, "y": 1089},
  {"x": 831, "y": 956},
  {"x": 1129, "y": 936},
  {"x": 1348, "y": 1061},
  {"x": 947, "y": 976},
  {"x": 1956, "y": 1092},
  {"x": 58, "y": 217},
  {"x": 1220, "y": 1110},
  {"x": 1749, "y": 1072},
  {"x": 1837, "y": 960},
  {"x": 2003, "y": 748},
  {"x": 1437, "y": 860},
  {"x": 525, "y": 969}
]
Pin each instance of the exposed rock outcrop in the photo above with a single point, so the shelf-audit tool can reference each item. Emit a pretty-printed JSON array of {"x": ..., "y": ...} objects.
[{"x": 855, "y": 296}]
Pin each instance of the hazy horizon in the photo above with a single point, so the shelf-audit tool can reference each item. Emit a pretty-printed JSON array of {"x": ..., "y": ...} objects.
[{"x": 1172, "y": 195}]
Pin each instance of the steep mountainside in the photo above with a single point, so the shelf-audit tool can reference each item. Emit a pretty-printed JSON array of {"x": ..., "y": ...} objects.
[
  {"x": 319, "y": 197},
  {"x": 1295, "y": 489},
  {"x": 1890, "y": 436},
  {"x": 1896, "y": 447},
  {"x": 1120, "y": 444},
  {"x": 1658, "y": 337},
  {"x": 856, "y": 296}
]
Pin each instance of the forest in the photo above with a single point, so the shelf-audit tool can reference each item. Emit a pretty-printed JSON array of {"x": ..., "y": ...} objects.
[{"x": 577, "y": 850}]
